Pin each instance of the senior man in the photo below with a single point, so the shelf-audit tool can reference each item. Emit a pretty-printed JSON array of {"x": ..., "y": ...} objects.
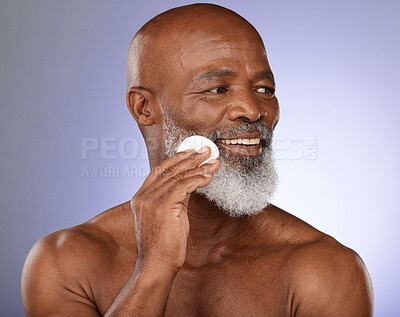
[{"x": 198, "y": 241}]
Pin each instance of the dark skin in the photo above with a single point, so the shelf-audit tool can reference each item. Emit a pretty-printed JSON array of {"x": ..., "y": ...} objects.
[{"x": 168, "y": 251}]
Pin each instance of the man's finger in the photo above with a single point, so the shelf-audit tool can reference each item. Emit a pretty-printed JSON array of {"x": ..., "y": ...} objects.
[
  {"x": 159, "y": 169},
  {"x": 209, "y": 168},
  {"x": 177, "y": 191},
  {"x": 176, "y": 165}
]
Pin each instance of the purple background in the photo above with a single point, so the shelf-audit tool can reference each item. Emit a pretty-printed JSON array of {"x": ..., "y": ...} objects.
[{"x": 336, "y": 65}]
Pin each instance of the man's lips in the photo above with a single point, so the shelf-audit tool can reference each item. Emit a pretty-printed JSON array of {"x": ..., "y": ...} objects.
[{"x": 248, "y": 144}]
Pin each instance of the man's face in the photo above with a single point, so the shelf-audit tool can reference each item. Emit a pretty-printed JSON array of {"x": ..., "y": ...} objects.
[
  {"x": 222, "y": 88},
  {"x": 217, "y": 81}
]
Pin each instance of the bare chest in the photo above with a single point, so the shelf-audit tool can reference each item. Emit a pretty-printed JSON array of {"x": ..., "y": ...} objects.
[
  {"x": 230, "y": 289},
  {"x": 245, "y": 288}
]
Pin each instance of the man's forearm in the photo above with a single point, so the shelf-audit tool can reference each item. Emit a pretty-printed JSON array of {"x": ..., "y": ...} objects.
[{"x": 144, "y": 294}]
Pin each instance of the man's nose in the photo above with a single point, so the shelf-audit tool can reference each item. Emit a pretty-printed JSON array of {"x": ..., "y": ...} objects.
[{"x": 246, "y": 107}]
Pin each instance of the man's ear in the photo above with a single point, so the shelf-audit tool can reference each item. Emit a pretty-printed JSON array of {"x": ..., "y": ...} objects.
[{"x": 139, "y": 102}]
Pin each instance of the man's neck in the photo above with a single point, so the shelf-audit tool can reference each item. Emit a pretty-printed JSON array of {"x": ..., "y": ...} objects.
[{"x": 213, "y": 234}]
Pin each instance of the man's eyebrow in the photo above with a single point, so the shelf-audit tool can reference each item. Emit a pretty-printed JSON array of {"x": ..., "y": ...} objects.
[
  {"x": 266, "y": 74},
  {"x": 214, "y": 73}
]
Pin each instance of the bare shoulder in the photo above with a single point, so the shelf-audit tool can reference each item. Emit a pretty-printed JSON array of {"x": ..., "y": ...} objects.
[
  {"x": 58, "y": 269},
  {"x": 330, "y": 280},
  {"x": 78, "y": 248},
  {"x": 326, "y": 277}
]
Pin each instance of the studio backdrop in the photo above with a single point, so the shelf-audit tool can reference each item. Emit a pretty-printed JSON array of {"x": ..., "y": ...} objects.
[{"x": 70, "y": 149}]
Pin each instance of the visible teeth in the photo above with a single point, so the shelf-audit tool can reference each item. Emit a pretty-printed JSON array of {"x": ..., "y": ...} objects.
[{"x": 241, "y": 141}]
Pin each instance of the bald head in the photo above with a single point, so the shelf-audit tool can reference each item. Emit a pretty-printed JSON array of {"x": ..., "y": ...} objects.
[{"x": 157, "y": 47}]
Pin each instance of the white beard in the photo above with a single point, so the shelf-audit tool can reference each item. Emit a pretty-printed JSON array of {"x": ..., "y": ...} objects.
[{"x": 242, "y": 185}]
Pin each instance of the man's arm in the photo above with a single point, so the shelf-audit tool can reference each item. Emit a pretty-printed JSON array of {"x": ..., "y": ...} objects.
[
  {"x": 332, "y": 281},
  {"x": 55, "y": 271},
  {"x": 49, "y": 283},
  {"x": 161, "y": 228},
  {"x": 145, "y": 294}
]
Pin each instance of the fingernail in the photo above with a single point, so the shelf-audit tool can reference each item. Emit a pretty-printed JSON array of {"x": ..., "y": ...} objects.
[
  {"x": 207, "y": 175},
  {"x": 203, "y": 149},
  {"x": 212, "y": 161}
]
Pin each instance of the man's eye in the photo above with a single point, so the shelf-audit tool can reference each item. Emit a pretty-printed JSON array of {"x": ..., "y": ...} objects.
[
  {"x": 266, "y": 90},
  {"x": 218, "y": 90}
]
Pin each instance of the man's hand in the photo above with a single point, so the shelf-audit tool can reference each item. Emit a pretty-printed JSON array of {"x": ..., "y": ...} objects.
[
  {"x": 160, "y": 208},
  {"x": 162, "y": 228}
]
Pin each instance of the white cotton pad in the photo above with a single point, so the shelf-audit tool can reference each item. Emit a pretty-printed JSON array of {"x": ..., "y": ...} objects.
[{"x": 196, "y": 142}]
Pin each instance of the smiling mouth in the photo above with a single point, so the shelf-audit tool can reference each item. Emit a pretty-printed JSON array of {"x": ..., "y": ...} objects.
[
  {"x": 241, "y": 141},
  {"x": 241, "y": 147}
]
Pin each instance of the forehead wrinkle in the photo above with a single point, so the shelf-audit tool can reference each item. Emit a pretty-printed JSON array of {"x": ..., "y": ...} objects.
[
  {"x": 205, "y": 60},
  {"x": 218, "y": 72},
  {"x": 214, "y": 45}
]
